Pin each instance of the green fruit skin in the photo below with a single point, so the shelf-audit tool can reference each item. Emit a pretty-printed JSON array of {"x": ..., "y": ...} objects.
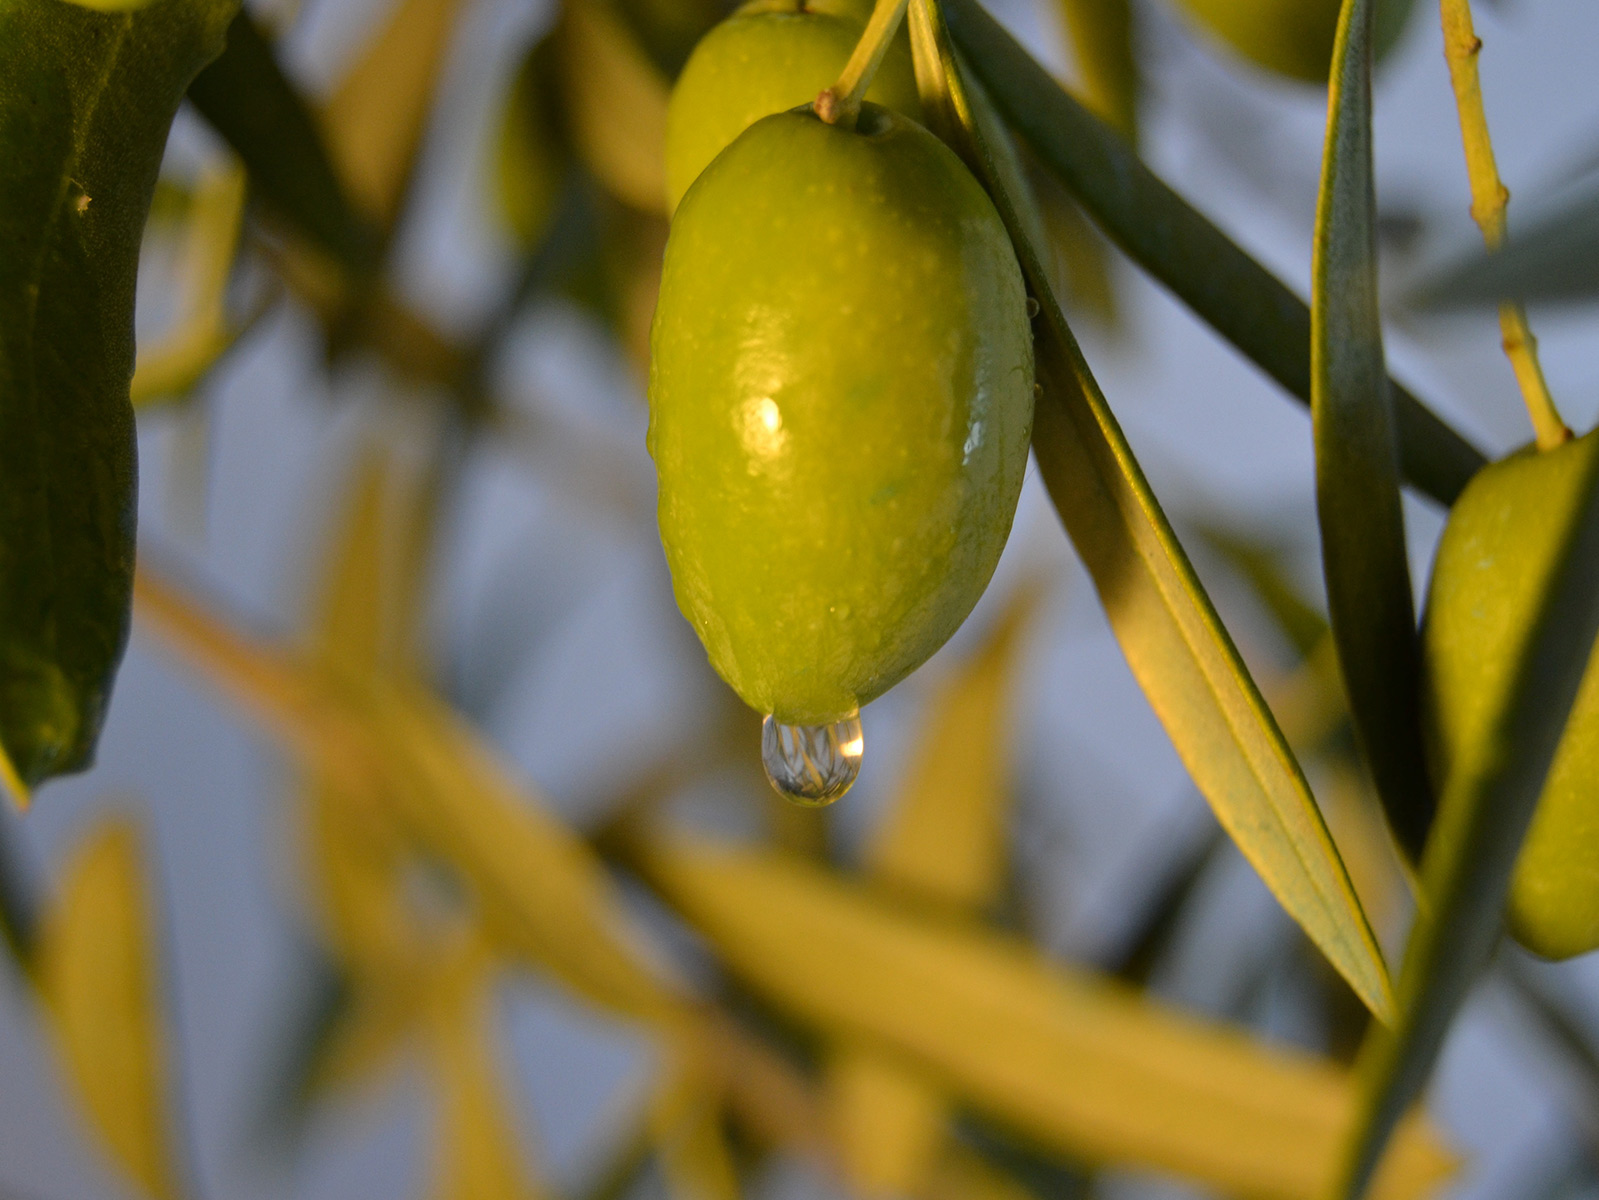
[
  {"x": 768, "y": 57},
  {"x": 841, "y": 396},
  {"x": 1494, "y": 562},
  {"x": 1292, "y": 37}
]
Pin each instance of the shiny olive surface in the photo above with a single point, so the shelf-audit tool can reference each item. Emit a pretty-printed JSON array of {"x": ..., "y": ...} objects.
[
  {"x": 1493, "y": 564},
  {"x": 841, "y": 394},
  {"x": 768, "y": 57}
]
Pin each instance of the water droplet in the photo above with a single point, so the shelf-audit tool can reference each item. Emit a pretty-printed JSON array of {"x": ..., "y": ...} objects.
[
  {"x": 1032, "y": 308},
  {"x": 812, "y": 765}
]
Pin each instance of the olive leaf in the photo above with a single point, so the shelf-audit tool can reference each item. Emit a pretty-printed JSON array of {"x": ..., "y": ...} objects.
[
  {"x": 1068, "y": 1059},
  {"x": 943, "y": 842},
  {"x": 615, "y": 101},
  {"x": 478, "y": 1151},
  {"x": 86, "y": 99},
  {"x": 530, "y": 164},
  {"x": 377, "y": 115},
  {"x": 247, "y": 98},
  {"x": 1176, "y": 645},
  {"x": 1166, "y": 236},
  {"x": 98, "y": 978},
  {"x": 1364, "y": 557},
  {"x": 1485, "y": 806},
  {"x": 542, "y": 891}
]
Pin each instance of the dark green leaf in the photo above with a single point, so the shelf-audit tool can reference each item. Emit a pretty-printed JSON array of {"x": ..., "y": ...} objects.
[
  {"x": 1168, "y": 629},
  {"x": 1358, "y": 504},
  {"x": 1226, "y": 288},
  {"x": 1484, "y": 810},
  {"x": 86, "y": 99},
  {"x": 248, "y": 99},
  {"x": 1555, "y": 259}
]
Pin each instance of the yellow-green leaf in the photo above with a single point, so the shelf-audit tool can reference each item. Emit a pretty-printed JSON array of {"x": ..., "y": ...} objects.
[
  {"x": 1174, "y": 642},
  {"x": 1363, "y": 550},
  {"x": 1166, "y": 236},
  {"x": 888, "y": 1118},
  {"x": 174, "y": 365},
  {"x": 686, "y": 1131},
  {"x": 97, "y": 970},
  {"x": 477, "y": 1153},
  {"x": 1084, "y": 1065},
  {"x": 944, "y": 835},
  {"x": 377, "y": 115},
  {"x": 616, "y": 103}
]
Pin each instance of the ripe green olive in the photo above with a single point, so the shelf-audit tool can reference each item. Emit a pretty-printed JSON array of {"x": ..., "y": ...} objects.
[
  {"x": 1493, "y": 565},
  {"x": 1291, "y": 37},
  {"x": 768, "y": 57},
  {"x": 841, "y": 397}
]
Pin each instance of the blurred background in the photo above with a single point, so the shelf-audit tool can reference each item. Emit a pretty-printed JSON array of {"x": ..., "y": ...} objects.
[{"x": 547, "y": 621}]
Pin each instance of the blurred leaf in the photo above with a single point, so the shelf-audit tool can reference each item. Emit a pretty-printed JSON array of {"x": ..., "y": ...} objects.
[
  {"x": 1226, "y": 288},
  {"x": 541, "y": 889},
  {"x": 1264, "y": 569},
  {"x": 888, "y": 1120},
  {"x": 1101, "y": 37},
  {"x": 1082, "y": 258},
  {"x": 616, "y": 103},
  {"x": 530, "y": 163},
  {"x": 1485, "y": 806},
  {"x": 1174, "y": 642},
  {"x": 1073, "y": 1060},
  {"x": 378, "y": 113},
  {"x": 18, "y": 916},
  {"x": 686, "y": 1129},
  {"x": 1364, "y": 556},
  {"x": 173, "y": 366},
  {"x": 478, "y": 1156},
  {"x": 944, "y": 837},
  {"x": 86, "y": 100},
  {"x": 98, "y": 977},
  {"x": 1556, "y": 258},
  {"x": 247, "y": 99}
]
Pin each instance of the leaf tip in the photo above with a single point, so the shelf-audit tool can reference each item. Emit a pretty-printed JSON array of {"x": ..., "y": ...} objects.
[{"x": 11, "y": 783}]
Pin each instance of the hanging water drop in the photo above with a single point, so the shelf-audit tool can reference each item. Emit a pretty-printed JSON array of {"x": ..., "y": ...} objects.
[
  {"x": 812, "y": 765},
  {"x": 1032, "y": 308}
]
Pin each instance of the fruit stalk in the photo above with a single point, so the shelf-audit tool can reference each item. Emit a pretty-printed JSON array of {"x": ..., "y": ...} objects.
[
  {"x": 841, "y": 103},
  {"x": 1489, "y": 198}
]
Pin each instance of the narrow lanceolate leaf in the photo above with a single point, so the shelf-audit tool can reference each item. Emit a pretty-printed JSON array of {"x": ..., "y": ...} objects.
[
  {"x": 86, "y": 99},
  {"x": 615, "y": 99},
  {"x": 1174, "y": 641},
  {"x": 1485, "y": 807},
  {"x": 1357, "y": 463},
  {"x": 477, "y": 1153},
  {"x": 1160, "y": 231},
  {"x": 1087, "y": 1067},
  {"x": 542, "y": 891},
  {"x": 1556, "y": 258},
  {"x": 378, "y": 114},
  {"x": 98, "y": 978},
  {"x": 944, "y": 836},
  {"x": 247, "y": 98}
]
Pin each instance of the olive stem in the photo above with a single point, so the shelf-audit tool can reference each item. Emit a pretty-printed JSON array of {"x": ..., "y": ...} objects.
[
  {"x": 1489, "y": 198},
  {"x": 841, "y": 103}
]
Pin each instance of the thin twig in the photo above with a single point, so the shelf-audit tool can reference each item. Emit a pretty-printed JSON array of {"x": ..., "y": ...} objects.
[{"x": 1489, "y": 198}]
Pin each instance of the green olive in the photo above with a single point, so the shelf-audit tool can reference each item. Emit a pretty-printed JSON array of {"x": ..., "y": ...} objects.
[
  {"x": 841, "y": 395},
  {"x": 1291, "y": 37},
  {"x": 1493, "y": 565},
  {"x": 768, "y": 57}
]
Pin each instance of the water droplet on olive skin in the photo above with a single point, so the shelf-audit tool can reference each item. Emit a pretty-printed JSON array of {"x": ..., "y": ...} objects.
[{"x": 812, "y": 765}]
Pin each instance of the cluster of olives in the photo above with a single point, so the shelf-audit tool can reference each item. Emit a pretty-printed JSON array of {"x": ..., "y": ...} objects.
[{"x": 841, "y": 380}]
